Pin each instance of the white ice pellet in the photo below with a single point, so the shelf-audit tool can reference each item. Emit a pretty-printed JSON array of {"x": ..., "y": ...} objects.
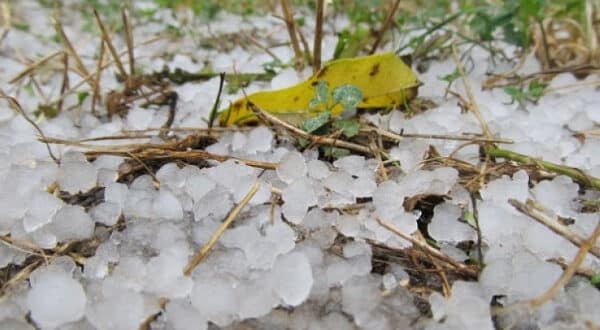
[
  {"x": 72, "y": 223},
  {"x": 42, "y": 209},
  {"x": 167, "y": 206},
  {"x": 291, "y": 167},
  {"x": 77, "y": 176},
  {"x": 50, "y": 285},
  {"x": 292, "y": 278},
  {"x": 106, "y": 213},
  {"x": 445, "y": 224}
]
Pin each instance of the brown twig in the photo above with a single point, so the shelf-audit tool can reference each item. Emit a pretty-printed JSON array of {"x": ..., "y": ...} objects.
[
  {"x": 386, "y": 25},
  {"x": 17, "y": 107},
  {"x": 318, "y": 36},
  {"x": 291, "y": 27},
  {"x": 65, "y": 80},
  {"x": 538, "y": 215},
  {"x": 402, "y": 135},
  {"x": 428, "y": 249},
  {"x": 319, "y": 140},
  {"x": 261, "y": 47},
  {"x": 128, "y": 40},
  {"x": 6, "y": 19},
  {"x": 34, "y": 66},
  {"x": 473, "y": 106},
  {"x": 586, "y": 246},
  {"x": 71, "y": 51},
  {"x": 219, "y": 232},
  {"x": 156, "y": 152},
  {"x": 96, "y": 92},
  {"x": 110, "y": 45}
]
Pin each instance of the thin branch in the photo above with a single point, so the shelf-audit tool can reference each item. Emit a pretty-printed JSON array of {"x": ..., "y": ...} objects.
[
  {"x": 291, "y": 27},
  {"x": 538, "y": 215},
  {"x": 219, "y": 232},
  {"x": 473, "y": 105},
  {"x": 128, "y": 40},
  {"x": 34, "y": 66},
  {"x": 71, "y": 51},
  {"x": 17, "y": 107},
  {"x": 402, "y": 135},
  {"x": 110, "y": 45},
  {"x": 157, "y": 152},
  {"x": 385, "y": 26},
  {"x": 315, "y": 139},
  {"x": 96, "y": 93},
  {"x": 572, "y": 172},
  {"x": 428, "y": 249},
  {"x": 318, "y": 36},
  {"x": 586, "y": 246}
]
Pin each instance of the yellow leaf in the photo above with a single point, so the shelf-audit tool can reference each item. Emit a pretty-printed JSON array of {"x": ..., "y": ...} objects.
[{"x": 384, "y": 80}]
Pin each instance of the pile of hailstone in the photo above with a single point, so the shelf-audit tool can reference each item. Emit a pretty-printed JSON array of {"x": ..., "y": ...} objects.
[{"x": 282, "y": 264}]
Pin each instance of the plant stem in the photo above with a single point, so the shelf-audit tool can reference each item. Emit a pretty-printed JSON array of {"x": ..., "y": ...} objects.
[
  {"x": 572, "y": 172},
  {"x": 291, "y": 27},
  {"x": 318, "y": 36}
]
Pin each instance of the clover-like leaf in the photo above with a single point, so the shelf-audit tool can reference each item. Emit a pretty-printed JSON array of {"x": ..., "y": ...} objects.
[
  {"x": 349, "y": 96},
  {"x": 312, "y": 124},
  {"x": 349, "y": 127},
  {"x": 321, "y": 95}
]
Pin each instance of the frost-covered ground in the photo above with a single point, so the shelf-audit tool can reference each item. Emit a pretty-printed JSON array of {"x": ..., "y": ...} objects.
[{"x": 313, "y": 260}]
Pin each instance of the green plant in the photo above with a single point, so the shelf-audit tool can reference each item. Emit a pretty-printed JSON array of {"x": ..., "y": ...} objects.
[
  {"x": 533, "y": 92},
  {"x": 349, "y": 96}
]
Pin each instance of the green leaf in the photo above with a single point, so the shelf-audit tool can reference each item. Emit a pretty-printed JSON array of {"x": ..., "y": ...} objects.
[
  {"x": 595, "y": 280},
  {"x": 81, "y": 96},
  {"x": 514, "y": 92},
  {"x": 303, "y": 142},
  {"x": 469, "y": 217},
  {"x": 349, "y": 127},
  {"x": 450, "y": 77},
  {"x": 341, "y": 44},
  {"x": 334, "y": 152},
  {"x": 536, "y": 89},
  {"x": 321, "y": 96},
  {"x": 312, "y": 124},
  {"x": 349, "y": 96},
  {"x": 531, "y": 8}
]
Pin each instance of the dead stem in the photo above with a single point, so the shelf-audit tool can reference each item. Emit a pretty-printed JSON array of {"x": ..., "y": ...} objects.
[
  {"x": 6, "y": 19},
  {"x": 402, "y": 135},
  {"x": 213, "y": 240},
  {"x": 17, "y": 107},
  {"x": 110, "y": 45},
  {"x": 582, "y": 271},
  {"x": 261, "y": 47},
  {"x": 106, "y": 65},
  {"x": 23, "y": 246},
  {"x": 128, "y": 40},
  {"x": 534, "y": 212},
  {"x": 429, "y": 250},
  {"x": 572, "y": 172},
  {"x": 81, "y": 69},
  {"x": 34, "y": 66},
  {"x": 586, "y": 246},
  {"x": 96, "y": 92},
  {"x": 386, "y": 25},
  {"x": 291, "y": 27},
  {"x": 473, "y": 106},
  {"x": 65, "y": 80},
  {"x": 319, "y": 140},
  {"x": 318, "y": 35}
]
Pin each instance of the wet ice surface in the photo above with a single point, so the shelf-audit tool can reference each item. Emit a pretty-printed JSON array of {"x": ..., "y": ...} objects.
[{"x": 314, "y": 259}]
